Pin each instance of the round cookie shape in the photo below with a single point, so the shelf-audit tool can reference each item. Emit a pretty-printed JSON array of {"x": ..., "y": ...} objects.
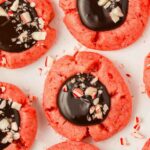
[
  {"x": 98, "y": 66},
  {"x": 98, "y": 15},
  {"x": 147, "y": 145},
  {"x": 86, "y": 92},
  {"x": 146, "y": 76},
  {"x": 70, "y": 145},
  {"x": 123, "y": 34},
  {"x": 18, "y": 121},
  {"x": 27, "y": 35}
]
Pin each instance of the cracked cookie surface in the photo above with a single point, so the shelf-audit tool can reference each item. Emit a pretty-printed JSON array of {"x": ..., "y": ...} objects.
[{"x": 97, "y": 65}]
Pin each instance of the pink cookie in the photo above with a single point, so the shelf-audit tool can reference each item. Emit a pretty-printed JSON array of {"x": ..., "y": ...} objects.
[
  {"x": 147, "y": 74},
  {"x": 21, "y": 130},
  {"x": 27, "y": 34},
  {"x": 97, "y": 65},
  {"x": 147, "y": 145},
  {"x": 73, "y": 146},
  {"x": 122, "y": 36}
]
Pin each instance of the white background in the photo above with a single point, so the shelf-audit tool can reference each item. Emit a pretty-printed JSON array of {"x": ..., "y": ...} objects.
[{"x": 28, "y": 79}]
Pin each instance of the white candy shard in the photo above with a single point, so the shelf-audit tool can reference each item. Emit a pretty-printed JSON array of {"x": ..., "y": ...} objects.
[
  {"x": 14, "y": 126},
  {"x": 3, "y": 12},
  {"x": 91, "y": 91},
  {"x": 3, "y": 104},
  {"x": 49, "y": 61},
  {"x": 94, "y": 80},
  {"x": 4, "y": 124},
  {"x": 2, "y": 89},
  {"x": 15, "y": 5},
  {"x": 25, "y": 17},
  {"x": 16, "y": 106},
  {"x": 38, "y": 36},
  {"x": 105, "y": 108},
  {"x": 107, "y": 5},
  {"x": 96, "y": 101},
  {"x": 115, "y": 14},
  {"x": 16, "y": 136},
  {"x": 32, "y": 4},
  {"x": 8, "y": 138},
  {"x": 41, "y": 23},
  {"x": 102, "y": 2},
  {"x": 23, "y": 36}
]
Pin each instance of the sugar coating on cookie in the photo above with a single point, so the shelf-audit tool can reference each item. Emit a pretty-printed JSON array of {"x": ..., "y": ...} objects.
[
  {"x": 18, "y": 122},
  {"x": 147, "y": 145},
  {"x": 146, "y": 76},
  {"x": 105, "y": 24},
  {"x": 27, "y": 35},
  {"x": 86, "y": 96},
  {"x": 73, "y": 146}
]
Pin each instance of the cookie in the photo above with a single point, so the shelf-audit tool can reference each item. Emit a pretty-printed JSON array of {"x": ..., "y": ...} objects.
[
  {"x": 147, "y": 145},
  {"x": 26, "y": 32},
  {"x": 147, "y": 74},
  {"x": 73, "y": 146},
  {"x": 105, "y": 25},
  {"x": 86, "y": 96},
  {"x": 18, "y": 123}
]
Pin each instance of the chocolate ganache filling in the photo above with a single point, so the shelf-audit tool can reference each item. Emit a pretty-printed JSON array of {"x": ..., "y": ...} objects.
[
  {"x": 9, "y": 122},
  {"x": 19, "y": 25},
  {"x": 102, "y": 15},
  {"x": 84, "y": 100}
]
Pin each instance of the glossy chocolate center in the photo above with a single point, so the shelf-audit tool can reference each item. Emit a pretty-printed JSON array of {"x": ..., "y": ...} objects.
[
  {"x": 84, "y": 100},
  {"x": 102, "y": 15},
  {"x": 18, "y": 20},
  {"x": 9, "y": 122}
]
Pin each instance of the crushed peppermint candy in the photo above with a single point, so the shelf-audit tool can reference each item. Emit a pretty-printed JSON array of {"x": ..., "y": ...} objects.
[
  {"x": 27, "y": 27},
  {"x": 124, "y": 142},
  {"x": 116, "y": 12},
  {"x": 2, "y": 89},
  {"x": 9, "y": 122},
  {"x": 88, "y": 92},
  {"x": 43, "y": 71}
]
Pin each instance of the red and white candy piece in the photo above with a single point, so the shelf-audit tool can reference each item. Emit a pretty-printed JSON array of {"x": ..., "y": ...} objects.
[
  {"x": 65, "y": 89},
  {"x": 39, "y": 36},
  {"x": 77, "y": 92},
  {"x": 123, "y": 141},
  {"x": 15, "y": 5},
  {"x": 136, "y": 127},
  {"x": 3, "y": 60},
  {"x": 2, "y": 89},
  {"x": 3, "y": 13},
  {"x": 137, "y": 135},
  {"x": 25, "y": 17},
  {"x": 91, "y": 91},
  {"x": 49, "y": 61},
  {"x": 138, "y": 120}
]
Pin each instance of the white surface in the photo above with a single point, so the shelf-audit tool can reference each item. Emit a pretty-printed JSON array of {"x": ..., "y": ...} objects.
[{"x": 132, "y": 58}]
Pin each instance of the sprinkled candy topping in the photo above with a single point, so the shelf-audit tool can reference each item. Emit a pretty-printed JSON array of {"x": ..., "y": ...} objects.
[
  {"x": 9, "y": 122},
  {"x": 84, "y": 100},
  {"x": 20, "y": 25},
  {"x": 102, "y": 15}
]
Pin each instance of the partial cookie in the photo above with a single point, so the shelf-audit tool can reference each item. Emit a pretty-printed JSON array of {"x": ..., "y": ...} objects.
[
  {"x": 73, "y": 146},
  {"x": 85, "y": 96},
  {"x": 25, "y": 32},
  {"x": 147, "y": 74},
  {"x": 18, "y": 122},
  {"x": 147, "y": 145},
  {"x": 106, "y": 24}
]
